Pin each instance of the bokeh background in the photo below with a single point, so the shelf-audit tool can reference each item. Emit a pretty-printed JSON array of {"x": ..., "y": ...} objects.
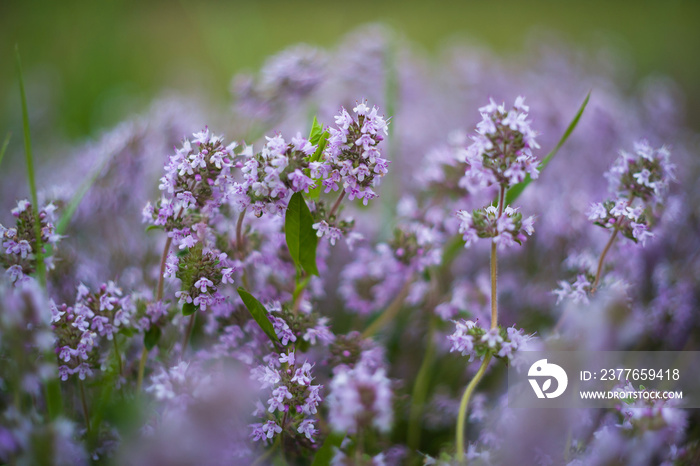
[{"x": 88, "y": 64}]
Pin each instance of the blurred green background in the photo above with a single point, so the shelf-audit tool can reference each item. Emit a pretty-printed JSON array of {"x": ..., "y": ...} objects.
[{"x": 89, "y": 64}]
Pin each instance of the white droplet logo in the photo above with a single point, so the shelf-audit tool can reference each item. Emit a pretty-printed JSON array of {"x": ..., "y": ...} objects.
[{"x": 541, "y": 369}]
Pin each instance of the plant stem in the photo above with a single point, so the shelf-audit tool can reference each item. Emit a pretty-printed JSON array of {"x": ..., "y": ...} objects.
[
  {"x": 142, "y": 366},
  {"x": 391, "y": 310},
  {"x": 159, "y": 297},
  {"x": 461, "y": 419},
  {"x": 463, "y": 407},
  {"x": 494, "y": 285},
  {"x": 39, "y": 249},
  {"x": 239, "y": 232},
  {"x": 420, "y": 389},
  {"x": 116, "y": 352},
  {"x": 266, "y": 455},
  {"x": 163, "y": 259},
  {"x": 602, "y": 259},
  {"x": 85, "y": 408},
  {"x": 188, "y": 333},
  {"x": 335, "y": 207}
]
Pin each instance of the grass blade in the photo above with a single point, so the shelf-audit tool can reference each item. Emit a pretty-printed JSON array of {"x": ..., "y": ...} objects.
[
  {"x": 54, "y": 401},
  {"x": 40, "y": 266},
  {"x": 516, "y": 191},
  {"x": 74, "y": 203},
  {"x": 4, "y": 147}
]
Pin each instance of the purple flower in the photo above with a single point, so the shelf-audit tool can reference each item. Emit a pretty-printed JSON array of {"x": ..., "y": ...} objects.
[{"x": 307, "y": 428}]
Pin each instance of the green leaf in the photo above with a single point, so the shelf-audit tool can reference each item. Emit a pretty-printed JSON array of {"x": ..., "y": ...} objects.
[
  {"x": 315, "y": 193},
  {"x": 259, "y": 313},
  {"x": 40, "y": 266},
  {"x": 316, "y": 132},
  {"x": 154, "y": 227},
  {"x": 516, "y": 191},
  {"x": 324, "y": 455},
  {"x": 4, "y": 146},
  {"x": 300, "y": 235},
  {"x": 72, "y": 206},
  {"x": 151, "y": 337},
  {"x": 188, "y": 309},
  {"x": 323, "y": 141}
]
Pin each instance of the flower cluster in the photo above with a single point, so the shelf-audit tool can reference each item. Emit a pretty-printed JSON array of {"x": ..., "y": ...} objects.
[
  {"x": 360, "y": 398},
  {"x": 19, "y": 243},
  {"x": 196, "y": 182},
  {"x": 201, "y": 271},
  {"x": 631, "y": 222},
  {"x": 290, "y": 326},
  {"x": 352, "y": 157},
  {"x": 293, "y": 399},
  {"x": 650, "y": 413},
  {"x": 577, "y": 291},
  {"x": 645, "y": 176},
  {"x": 284, "y": 80},
  {"x": 501, "y": 151},
  {"x": 474, "y": 341},
  {"x": 505, "y": 229},
  {"x": 271, "y": 176},
  {"x": 80, "y": 328}
]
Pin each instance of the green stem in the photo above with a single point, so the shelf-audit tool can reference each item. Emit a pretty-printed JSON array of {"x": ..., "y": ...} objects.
[
  {"x": 116, "y": 353},
  {"x": 494, "y": 285},
  {"x": 299, "y": 287},
  {"x": 142, "y": 367},
  {"x": 336, "y": 205},
  {"x": 267, "y": 454},
  {"x": 163, "y": 260},
  {"x": 463, "y": 407},
  {"x": 84, "y": 403},
  {"x": 461, "y": 419},
  {"x": 420, "y": 390},
  {"x": 599, "y": 271},
  {"x": 159, "y": 297},
  {"x": 390, "y": 312},
  {"x": 188, "y": 334},
  {"x": 239, "y": 232}
]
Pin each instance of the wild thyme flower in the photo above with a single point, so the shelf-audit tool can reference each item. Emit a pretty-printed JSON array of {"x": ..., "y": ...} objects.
[
  {"x": 293, "y": 399},
  {"x": 474, "y": 341},
  {"x": 196, "y": 182},
  {"x": 501, "y": 150},
  {"x": 271, "y": 176},
  {"x": 505, "y": 231},
  {"x": 285, "y": 79},
  {"x": 202, "y": 271},
  {"x": 639, "y": 183},
  {"x": 360, "y": 398},
  {"x": 19, "y": 243},
  {"x": 645, "y": 174},
  {"x": 352, "y": 157},
  {"x": 80, "y": 329}
]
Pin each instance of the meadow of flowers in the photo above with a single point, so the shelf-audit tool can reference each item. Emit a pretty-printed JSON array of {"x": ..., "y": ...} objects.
[{"x": 338, "y": 267}]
